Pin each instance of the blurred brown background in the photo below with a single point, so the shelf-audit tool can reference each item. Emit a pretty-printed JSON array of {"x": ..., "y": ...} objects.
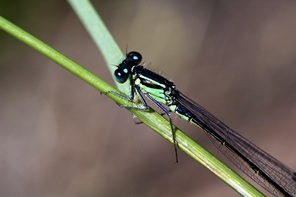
[{"x": 60, "y": 137}]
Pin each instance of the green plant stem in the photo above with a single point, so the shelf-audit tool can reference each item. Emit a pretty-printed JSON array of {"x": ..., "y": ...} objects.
[
  {"x": 150, "y": 117},
  {"x": 101, "y": 37}
]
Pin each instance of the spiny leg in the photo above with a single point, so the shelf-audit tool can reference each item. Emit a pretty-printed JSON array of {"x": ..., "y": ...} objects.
[
  {"x": 167, "y": 112},
  {"x": 131, "y": 98},
  {"x": 145, "y": 107}
]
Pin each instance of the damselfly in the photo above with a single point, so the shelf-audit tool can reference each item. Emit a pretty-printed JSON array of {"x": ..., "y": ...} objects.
[{"x": 267, "y": 171}]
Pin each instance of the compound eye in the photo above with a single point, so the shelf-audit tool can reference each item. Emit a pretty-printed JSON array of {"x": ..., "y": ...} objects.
[
  {"x": 120, "y": 76},
  {"x": 135, "y": 57}
]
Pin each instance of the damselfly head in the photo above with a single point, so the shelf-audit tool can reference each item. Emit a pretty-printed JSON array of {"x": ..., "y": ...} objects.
[{"x": 123, "y": 70}]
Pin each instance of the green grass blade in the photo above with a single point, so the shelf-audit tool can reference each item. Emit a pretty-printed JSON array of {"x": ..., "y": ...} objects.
[{"x": 101, "y": 36}]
